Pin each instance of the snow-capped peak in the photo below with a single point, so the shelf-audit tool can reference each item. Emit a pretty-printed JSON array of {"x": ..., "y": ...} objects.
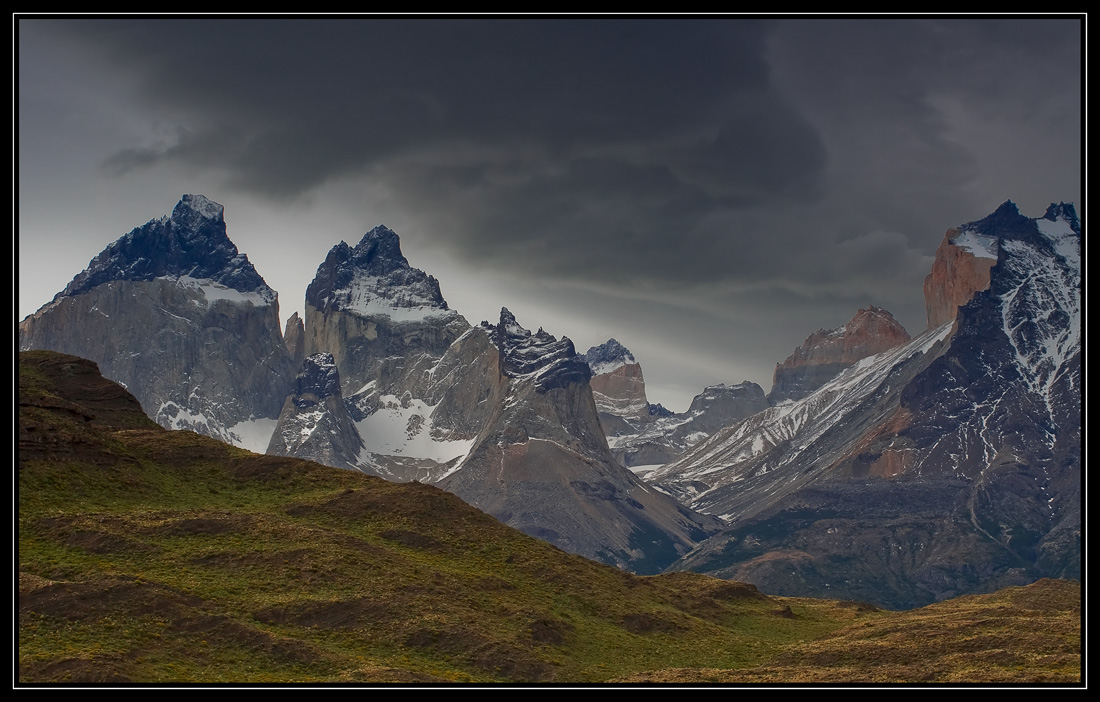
[
  {"x": 190, "y": 246},
  {"x": 509, "y": 324},
  {"x": 608, "y": 356},
  {"x": 200, "y": 205},
  {"x": 375, "y": 279}
]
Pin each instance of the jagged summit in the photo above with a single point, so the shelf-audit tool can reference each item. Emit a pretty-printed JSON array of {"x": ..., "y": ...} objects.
[
  {"x": 608, "y": 356},
  {"x": 826, "y": 352},
  {"x": 191, "y": 244},
  {"x": 379, "y": 252},
  {"x": 968, "y": 252},
  {"x": 314, "y": 423},
  {"x": 193, "y": 208},
  {"x": 1064, "y": 211},
  {"x": 1006, "y": 223},
  {"x": 174, "y": 312},
  {"x": 375, "y": 278},
  {"x": 552, "y": 362}
]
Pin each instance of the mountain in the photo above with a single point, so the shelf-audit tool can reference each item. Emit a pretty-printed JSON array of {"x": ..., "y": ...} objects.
[
  {"x": 501, "y": 417},
  {"x": 314, "y": 423},
  {"x": 542, "y": 465},
  {"x": 617, "y": 386},
  {"x": 641, "y": 435},
  {"x": 948, "y": 465},
  {"x": 149, "y": 556},
  {"x": 387, "y": 327},
  {"x": 176, "y": 314},
  {"x": 294, "y": 338},
  {"x": 827, "y": 352},
  {"x": 390, "y": 380}
]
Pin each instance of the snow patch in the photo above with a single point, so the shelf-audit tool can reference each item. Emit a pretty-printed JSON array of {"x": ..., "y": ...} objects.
[
  {"x": 978, "y": 245},
  {"x": 404, "y": 427},
  {"x": 212, "y": 291},
  {"x": 372, "y": 296}
]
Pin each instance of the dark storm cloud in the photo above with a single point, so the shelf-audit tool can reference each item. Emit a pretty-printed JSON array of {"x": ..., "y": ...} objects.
[
  {"x": 815, "y": 157},
  {"x": 578, "y": 141},
  {"x": 726, "y": 185},
  {"x": 333, "y": 97}
]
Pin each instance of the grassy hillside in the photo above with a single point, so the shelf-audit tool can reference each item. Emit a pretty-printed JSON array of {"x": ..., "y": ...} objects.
[{"x": 155, "y": 556}]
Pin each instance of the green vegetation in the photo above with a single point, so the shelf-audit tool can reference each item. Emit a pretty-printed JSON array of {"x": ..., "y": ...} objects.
[{"x": 155, "y": 556}]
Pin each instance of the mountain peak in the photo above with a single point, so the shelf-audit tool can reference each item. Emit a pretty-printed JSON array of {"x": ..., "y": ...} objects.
[
  {"x": 1066, "y": 212},
  {"x": 552, "y": 362},
  {"x": 608, "y": 356},
  {"x": 192, "y": 243},
  {"x": 826, "y": 352},
  {"x": 1006, "y": 222},
  {"x": 375, "y": 279},
  {"x": 379, "y": 251},
  {"x": 196, "y": 207},
  {"x": 508, "y": 324}
]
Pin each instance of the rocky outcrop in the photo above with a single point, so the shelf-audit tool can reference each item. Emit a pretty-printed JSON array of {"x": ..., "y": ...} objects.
[
  {"x": 960, "y": 269},
  {"x": 827, "y": 352},
  {"x": 314, "y": 424},
  {"x": 942, "y": 467},
  {"x": 542, "y": 465},
  {"x": 720, "y": 405},
  {"x": 642, "y": 435},
  {"x": 617, "y": 385},
  {"x": 176, "y": 314},
  {"x": 295, "y": 339},
  {"x": 666, "y": 436}
]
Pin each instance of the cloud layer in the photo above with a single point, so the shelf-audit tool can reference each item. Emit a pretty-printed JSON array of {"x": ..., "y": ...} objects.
[{"x": 707, "y": 165}]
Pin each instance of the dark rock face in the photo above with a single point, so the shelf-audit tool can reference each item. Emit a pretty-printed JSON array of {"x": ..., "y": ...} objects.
[
  {"x": 540, "y": 356},
  {"x": 827, "y": 352},
  {"x": 294, "y": 338},
  {"x": 191, "y": 243},
  {"x": 314, "y": 424},
  {"x": 174, "y": 313},
  {"x": 607, "y": 354},
  {"x": 720, "y": 405},
  {"x": 541, "y": 463},
  {"x": 942, "y": 468},
  {"x": 373, "y": 276}
]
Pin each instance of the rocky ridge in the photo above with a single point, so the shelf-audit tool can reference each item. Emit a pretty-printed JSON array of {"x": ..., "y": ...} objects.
[
  {"x": 314, "y": 423},
  {"x": 542, "y": 465},
  {"x": 953, "y": 465},
  {"x": 643, "y": 436}
]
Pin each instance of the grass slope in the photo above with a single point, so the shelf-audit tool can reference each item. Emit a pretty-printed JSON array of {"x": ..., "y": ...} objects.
[{"x": 154, "y": 556}]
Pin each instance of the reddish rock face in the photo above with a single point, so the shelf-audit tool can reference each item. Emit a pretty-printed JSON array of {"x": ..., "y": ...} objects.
[
  {"x": 621, "y": 392},
  {"x": 872, "y": 330},
  {"x": 956, "y": 275},
  {"x": 827, "y": 352}
]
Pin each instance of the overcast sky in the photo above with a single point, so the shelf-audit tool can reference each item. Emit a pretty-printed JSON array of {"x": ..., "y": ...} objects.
[{"x": 706, "y": 191}]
